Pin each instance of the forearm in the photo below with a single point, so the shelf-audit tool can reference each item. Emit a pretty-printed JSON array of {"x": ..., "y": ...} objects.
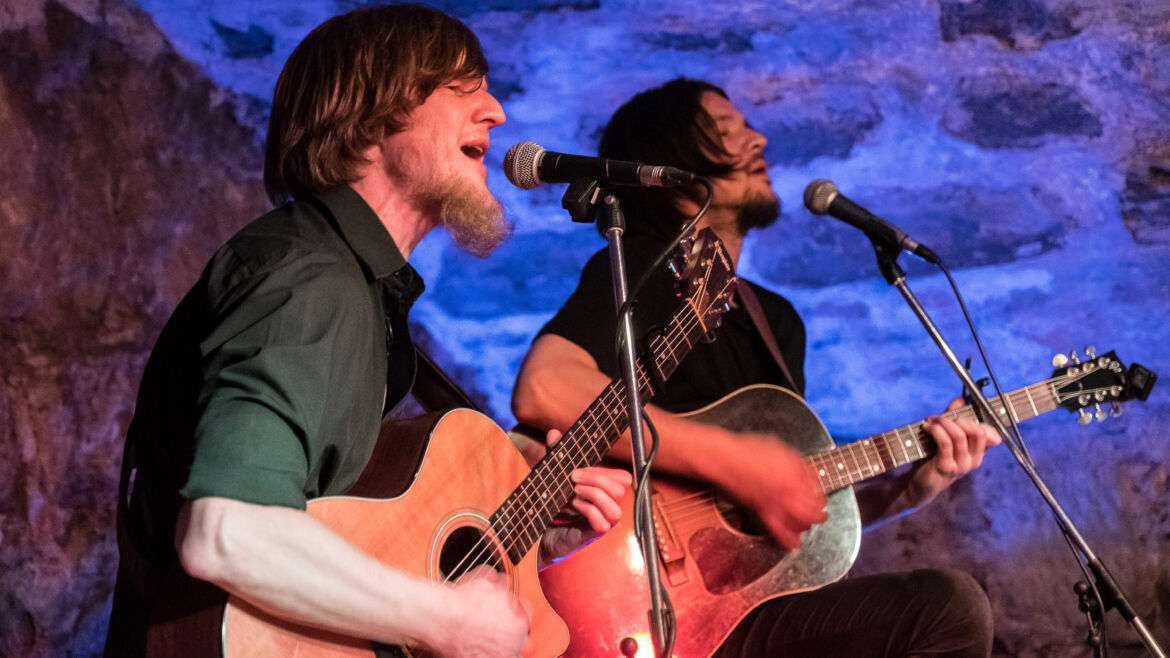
[
  {"x": 286, "y": 563},
  {"x": 553, "y": 400}
]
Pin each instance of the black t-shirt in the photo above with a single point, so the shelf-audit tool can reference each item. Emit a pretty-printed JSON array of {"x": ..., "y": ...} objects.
[{"x": 738, "y": 357}]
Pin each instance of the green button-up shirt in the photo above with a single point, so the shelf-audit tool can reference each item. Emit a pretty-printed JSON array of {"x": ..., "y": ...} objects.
[{"x": 269, "y": 382}]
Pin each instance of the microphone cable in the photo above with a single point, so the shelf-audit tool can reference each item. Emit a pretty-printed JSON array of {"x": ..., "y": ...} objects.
[{"x": 1096, "y": 628}]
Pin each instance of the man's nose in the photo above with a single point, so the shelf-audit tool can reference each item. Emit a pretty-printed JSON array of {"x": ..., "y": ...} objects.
[{"x": 491, "y": 111}]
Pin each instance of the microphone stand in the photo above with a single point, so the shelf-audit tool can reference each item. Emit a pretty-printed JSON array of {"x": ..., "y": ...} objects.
[
  {"x": 1111, "y": 593},
  {"x": 581, "y": 200}
]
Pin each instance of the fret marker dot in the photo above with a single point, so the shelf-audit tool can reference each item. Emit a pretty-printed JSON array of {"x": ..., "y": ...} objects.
[
  {"x": 822, "y": 471},
  {"x": 840, "y": 467},
  {"x": 907, "y": 443}
]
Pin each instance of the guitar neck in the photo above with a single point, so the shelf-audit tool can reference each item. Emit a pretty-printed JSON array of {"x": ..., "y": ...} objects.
[
  {"x": 528, "y": 511},
  {"x": 845, "y": 465}
]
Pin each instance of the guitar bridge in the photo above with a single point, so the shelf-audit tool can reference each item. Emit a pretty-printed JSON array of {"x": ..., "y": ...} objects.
[{"x": 670, "y": 552}]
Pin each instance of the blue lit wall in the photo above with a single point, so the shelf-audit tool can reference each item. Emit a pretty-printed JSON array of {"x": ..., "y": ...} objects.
[{"x": 1026, "y": 141}]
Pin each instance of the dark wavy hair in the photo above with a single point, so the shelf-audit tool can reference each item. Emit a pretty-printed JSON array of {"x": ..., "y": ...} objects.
[
  {"x": 665, "y": 125},
  {"x": 351, "y": 82}
]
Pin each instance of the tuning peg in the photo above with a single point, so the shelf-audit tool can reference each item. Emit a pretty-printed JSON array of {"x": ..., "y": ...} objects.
[
  {"x": 1084, "y": 417},
  {"x": 1059, "y": 360},
  {"x": 1090, "y": 351},
  {"x": 672, "y": 265},
  {"x": 1114, "y": 409},
  {"x": 1074, "y": 357},
  {"x": 1099, "y": 414}
]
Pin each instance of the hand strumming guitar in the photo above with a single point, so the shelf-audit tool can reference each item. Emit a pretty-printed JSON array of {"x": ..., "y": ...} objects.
[
  {"x": 775, "y": 482},
  {"x": 482, "y": 619}
]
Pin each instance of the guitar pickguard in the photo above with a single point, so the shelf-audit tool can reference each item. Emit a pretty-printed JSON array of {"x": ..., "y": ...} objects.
[{"x": 729, "y": 561}]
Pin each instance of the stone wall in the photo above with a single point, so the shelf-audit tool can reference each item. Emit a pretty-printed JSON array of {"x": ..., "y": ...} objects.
[{"x": 1027, "y": 141}]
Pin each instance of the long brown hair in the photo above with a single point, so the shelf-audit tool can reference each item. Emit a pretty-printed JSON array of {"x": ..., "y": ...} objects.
[{"x": 351, "y": 82}]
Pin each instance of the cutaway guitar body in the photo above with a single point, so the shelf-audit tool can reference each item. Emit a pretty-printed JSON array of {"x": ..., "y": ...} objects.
[{"x": 469, "y": 469}]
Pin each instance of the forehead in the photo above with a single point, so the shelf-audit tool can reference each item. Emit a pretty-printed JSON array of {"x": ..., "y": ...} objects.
[{"x": 720, "y": 109}]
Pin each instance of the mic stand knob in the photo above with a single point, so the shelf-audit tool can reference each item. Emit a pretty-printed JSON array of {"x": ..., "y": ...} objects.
[{"x": 1087, "y": 602}]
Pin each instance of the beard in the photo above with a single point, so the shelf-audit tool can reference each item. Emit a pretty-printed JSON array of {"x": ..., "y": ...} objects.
[
  {"x": 471, "y": 215},
  {"x": 757, "y": 211}
]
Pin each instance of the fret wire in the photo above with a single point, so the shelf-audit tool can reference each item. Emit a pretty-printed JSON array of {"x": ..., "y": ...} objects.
[
  {"x": 847, "y": 457},
  {"x": 857, "y": 453}
]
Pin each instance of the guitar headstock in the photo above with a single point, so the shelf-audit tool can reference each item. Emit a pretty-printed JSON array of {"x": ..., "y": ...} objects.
[
  {"x": 1081, "y": 384},
  {"x": 706, "y": 278}
]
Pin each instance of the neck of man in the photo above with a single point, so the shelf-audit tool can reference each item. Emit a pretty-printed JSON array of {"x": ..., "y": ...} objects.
[
  {"x": 725, "y": 223},
  {"x": 406, "y": 223}
]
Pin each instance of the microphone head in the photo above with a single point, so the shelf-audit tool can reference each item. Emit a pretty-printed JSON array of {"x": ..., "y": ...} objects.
[
  {"x": 520, "y": 164},
  {"x": 818, "y": 195}
]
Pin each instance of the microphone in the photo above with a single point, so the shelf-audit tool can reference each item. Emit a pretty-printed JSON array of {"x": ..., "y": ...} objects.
[
  {"x": 528, "y": 165},
  {"x": 822, "y": 198}
]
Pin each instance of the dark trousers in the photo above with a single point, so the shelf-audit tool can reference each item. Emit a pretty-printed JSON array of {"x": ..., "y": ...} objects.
[{"x": 928, "y": 612}]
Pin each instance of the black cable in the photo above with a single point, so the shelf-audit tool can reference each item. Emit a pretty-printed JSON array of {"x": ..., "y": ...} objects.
[
  {"x": 640, "y": 492},
  {"x": 1017, "y": 435},
  {"x": 687, "y": 228}
]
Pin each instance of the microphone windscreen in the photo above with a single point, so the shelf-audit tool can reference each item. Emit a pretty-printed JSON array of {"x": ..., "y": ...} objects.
[
  {"x": 520, "y": 164},
  {"x": 818, "y": 195}
]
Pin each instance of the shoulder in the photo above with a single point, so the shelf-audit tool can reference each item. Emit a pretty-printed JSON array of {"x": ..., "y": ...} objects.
[{"x": 292, "y": 246}]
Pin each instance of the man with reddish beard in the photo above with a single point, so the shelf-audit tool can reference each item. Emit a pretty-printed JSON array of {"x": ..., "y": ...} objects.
[
  {"x": 268, "y": 385},
  {"x": 692, "y": 125}
]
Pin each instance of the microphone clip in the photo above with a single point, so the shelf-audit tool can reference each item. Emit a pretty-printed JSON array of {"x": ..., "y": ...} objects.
[{"x": 581, "y": 199}]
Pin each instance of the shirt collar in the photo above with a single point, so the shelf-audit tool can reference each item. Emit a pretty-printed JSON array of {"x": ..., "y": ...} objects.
[{"x": 363, "y": 231}]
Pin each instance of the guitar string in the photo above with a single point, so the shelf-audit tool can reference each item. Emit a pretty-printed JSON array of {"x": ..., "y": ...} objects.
[
  {"x": 1015, "y": 397},
  {"x": 484, "y": 544},
  {"x": 682, "y": 505}
]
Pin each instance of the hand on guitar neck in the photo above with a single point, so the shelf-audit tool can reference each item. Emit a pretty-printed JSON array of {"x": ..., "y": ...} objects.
[
  {"x": 593, "y": 510},
  {"x": 960, "y": 444}
]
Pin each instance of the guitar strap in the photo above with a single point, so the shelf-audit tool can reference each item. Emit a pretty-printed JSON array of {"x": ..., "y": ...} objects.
[
  {"x": 751, "y": 304},
  {"x": 435, "y": 390}
]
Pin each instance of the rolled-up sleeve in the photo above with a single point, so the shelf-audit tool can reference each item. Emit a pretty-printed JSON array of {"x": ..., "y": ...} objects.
[{"x": 271, "y": 364}]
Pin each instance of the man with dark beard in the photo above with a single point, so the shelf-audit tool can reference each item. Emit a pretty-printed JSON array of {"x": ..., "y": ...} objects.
[
  {"x": 268, "y": 384},
  {"x": 692, "y": 125}
]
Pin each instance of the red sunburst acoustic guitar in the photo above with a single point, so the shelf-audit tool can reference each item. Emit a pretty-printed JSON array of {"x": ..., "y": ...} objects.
[{"x": 714, "y": 562}]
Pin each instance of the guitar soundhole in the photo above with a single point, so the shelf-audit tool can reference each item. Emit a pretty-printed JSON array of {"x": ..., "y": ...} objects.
[
  {"x": 739, "y": 518},
  {"x": 465, "y": 549}
]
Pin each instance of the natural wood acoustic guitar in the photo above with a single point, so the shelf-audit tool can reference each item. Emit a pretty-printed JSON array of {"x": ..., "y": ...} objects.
[{"x": 473, "y": 500}]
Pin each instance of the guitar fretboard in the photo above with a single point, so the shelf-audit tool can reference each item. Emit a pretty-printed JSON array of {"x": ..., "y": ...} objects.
[
  {"x": 531, "y": 507},
  {"x": 845, "y": 465}
]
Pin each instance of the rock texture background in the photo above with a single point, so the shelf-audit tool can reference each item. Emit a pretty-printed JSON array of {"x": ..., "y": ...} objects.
[{"x": 1027, "y": 141}]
